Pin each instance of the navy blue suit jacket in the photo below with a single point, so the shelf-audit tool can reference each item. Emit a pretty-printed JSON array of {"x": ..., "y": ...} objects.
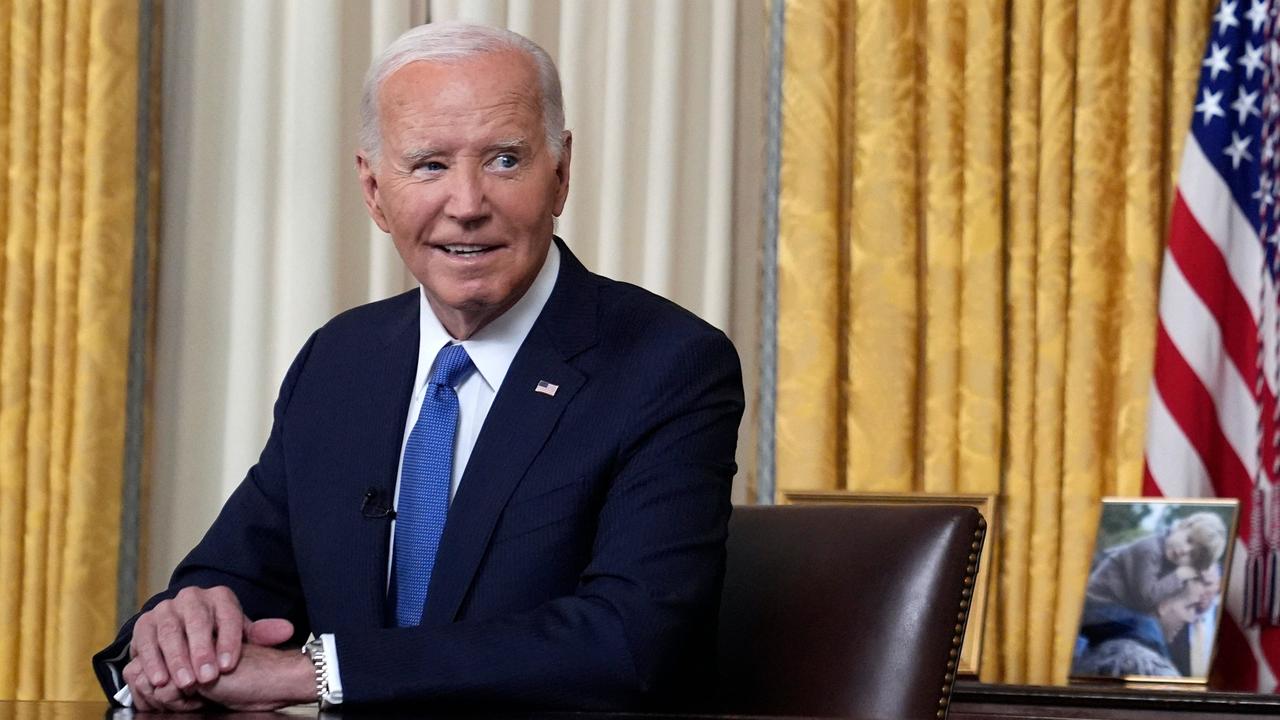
[{"x": 583, "y": 555}]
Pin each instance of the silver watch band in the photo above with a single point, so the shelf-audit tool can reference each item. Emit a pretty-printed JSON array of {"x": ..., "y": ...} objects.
[{"x": 314, "y": 651}]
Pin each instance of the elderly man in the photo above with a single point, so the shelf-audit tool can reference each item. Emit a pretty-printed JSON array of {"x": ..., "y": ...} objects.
[{"x": 508, "y": 486}]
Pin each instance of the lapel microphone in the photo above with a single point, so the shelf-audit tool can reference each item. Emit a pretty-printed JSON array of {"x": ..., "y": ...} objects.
[{"x": 373, "y": 509}]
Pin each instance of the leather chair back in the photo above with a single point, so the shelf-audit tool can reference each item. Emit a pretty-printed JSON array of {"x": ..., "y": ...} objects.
[{"x": 846, "y": 610}]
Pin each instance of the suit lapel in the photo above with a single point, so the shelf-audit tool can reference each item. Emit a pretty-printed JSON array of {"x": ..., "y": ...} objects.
[
  {"x": 391, "y": 371},
  {"x": 517, "y": 426}
]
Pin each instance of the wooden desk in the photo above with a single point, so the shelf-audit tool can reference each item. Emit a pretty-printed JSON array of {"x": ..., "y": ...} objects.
[
  {"x": 975, "y": 701},
  {"x": 971, "y": 701},
  {"x": 38, "y": 710}
]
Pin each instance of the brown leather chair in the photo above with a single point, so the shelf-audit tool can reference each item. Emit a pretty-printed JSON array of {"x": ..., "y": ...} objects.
[{"x": 846, "y": 610}]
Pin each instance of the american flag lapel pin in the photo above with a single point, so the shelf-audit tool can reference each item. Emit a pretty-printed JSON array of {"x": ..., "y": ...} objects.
[{"x": 546, "y": 388}]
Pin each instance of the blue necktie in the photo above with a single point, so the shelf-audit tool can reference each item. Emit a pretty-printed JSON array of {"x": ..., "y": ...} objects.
[{"x": 424, "y": 485}]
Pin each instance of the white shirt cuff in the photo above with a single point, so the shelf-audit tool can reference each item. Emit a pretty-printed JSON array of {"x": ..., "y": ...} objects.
[
  {"x": 334, "y": 696},
  {"x": 124, "y": 696}
]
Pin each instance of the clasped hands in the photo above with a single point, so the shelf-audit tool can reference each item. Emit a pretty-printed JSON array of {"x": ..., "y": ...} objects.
[{"x": 199, "y": 648}]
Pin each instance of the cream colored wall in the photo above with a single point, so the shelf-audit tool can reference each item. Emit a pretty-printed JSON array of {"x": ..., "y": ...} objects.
[{"x": 264, "y": 236}]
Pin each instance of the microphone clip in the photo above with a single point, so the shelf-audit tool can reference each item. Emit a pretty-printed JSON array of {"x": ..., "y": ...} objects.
[{"x": 371, "y": 508}]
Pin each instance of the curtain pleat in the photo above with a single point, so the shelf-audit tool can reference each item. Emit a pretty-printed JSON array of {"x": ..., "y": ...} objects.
[
  {"x": 15, "y": 343},
  {"x": 810, "y": 251},
  {"x": 990, "y": 276},
  {"x": 71, "y": 194},
  {"x": 715, "y": 298},
  {"x": 884, "y": 247},
  {"x": 616, "y": 109},
  {"x": 102, "y": 302},
  {"x": 38, "y": 481},
  {"x": 980, "y": 392},
  {"x": 943, "y": 166},
  {"x": 1023, "y": 177},
  {"x": 68, "y": 232}
]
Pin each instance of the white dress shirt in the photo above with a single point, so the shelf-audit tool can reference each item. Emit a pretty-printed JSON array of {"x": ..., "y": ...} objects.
[
  {"x": 1200, "y": 640},
  {"x": 492, "y": 349}
]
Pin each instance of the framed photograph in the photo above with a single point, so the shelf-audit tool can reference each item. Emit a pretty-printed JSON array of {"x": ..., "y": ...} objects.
[
  {"x": 971, "y": 651},
  {"x": 1156, "y": 589}
]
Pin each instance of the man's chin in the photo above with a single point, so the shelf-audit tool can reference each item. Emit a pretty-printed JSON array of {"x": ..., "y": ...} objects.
[{"x": 462, "y": 314}]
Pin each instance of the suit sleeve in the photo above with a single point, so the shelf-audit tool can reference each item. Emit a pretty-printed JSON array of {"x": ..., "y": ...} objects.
[
  {"x": 645, "y": 603},
  {"x": 246, "y": 549}
]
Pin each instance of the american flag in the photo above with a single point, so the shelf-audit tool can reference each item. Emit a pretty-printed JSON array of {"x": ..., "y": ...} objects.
[{"x": 1211, "y": 424}]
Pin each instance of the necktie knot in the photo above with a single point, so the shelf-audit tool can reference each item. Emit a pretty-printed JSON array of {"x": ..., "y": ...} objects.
[{"x": 452, "y": 363}]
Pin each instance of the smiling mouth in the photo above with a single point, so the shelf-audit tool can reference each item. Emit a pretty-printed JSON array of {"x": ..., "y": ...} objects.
[{"x": 467, "y": 250}]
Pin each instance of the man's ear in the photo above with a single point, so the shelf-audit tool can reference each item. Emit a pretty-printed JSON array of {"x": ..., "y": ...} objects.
[
  {"x": 562, "y": 174},
  {"x": 369, "y": 187}
]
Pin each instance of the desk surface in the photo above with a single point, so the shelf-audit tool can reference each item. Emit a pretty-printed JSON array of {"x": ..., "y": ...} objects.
[
  {"x": 976, "y": 701},
  {"x": 50, "y": 710},
  {"x": 971, "y": 701}
]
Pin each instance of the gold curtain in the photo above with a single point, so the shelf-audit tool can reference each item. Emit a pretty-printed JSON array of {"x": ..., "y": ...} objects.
[
  {"x": 974, "y": 196},
  {"x": 68, "y": 127}
]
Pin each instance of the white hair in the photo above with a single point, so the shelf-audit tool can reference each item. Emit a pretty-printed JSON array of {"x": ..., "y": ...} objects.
[{"x": 450, "y": 42}]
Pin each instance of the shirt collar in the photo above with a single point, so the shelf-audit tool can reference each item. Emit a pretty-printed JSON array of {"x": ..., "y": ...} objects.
[{"x": 495, "y": 345}]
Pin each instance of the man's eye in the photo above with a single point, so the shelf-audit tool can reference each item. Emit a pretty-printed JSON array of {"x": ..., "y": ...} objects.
[
  {"x": 432, "y": 166},
  {"x": 506, "y": 161}
]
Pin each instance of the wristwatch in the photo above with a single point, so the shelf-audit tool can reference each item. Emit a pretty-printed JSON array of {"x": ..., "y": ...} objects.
[{"x": 314, "y": 651}]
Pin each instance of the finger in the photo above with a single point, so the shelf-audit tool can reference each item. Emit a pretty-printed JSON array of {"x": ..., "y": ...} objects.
[
  {"x": 198, "y": 626},
  {"x": 146, "y": 648},
  {"x": 133, "y": 675},
  {"x": 230, "y": 622},
  {"x": 171, "y": 636},
  {"x": 268, "y": 631},
  {"x": 140, "y": 688}
]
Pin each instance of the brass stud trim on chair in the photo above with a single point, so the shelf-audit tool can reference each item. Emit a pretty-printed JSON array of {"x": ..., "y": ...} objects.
[{"x": 970, "y": 578}]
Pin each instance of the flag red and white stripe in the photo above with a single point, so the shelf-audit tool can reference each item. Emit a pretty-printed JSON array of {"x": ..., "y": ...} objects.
[{"x": 1211, "y": 415}]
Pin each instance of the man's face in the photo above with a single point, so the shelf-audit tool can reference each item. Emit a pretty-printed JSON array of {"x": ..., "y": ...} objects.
[
  {"x": 466, "y": 185},
  {"x": 1181, "y": 608}
]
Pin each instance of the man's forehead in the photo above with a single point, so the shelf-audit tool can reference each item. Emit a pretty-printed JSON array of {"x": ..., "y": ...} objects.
[
  {"x": 444, "y": 106},
  {"x": 420, "y": 128}
]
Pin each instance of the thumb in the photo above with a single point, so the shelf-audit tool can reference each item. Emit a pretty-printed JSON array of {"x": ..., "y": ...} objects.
[{"x": 268, "y": 631}]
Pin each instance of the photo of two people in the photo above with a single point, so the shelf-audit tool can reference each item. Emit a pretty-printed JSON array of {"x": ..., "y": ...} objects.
[{"x": 1155, "y": 590}]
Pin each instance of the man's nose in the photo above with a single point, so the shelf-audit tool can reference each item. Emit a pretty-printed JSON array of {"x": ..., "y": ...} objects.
[{"x": 467, "y": 202}]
